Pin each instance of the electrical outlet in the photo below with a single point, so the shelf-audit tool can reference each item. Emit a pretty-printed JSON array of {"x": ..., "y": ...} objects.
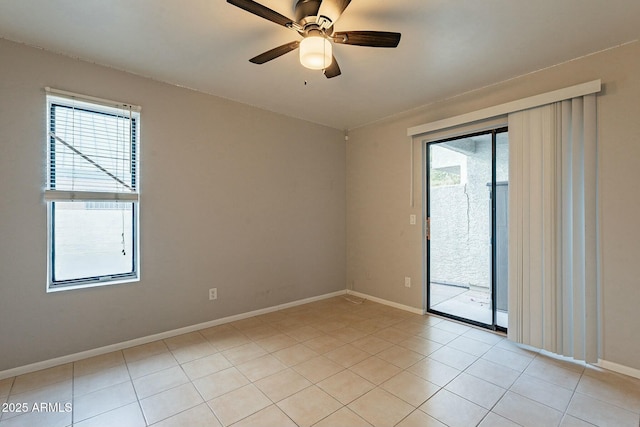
[
  {"x": 407, "y": 282},
  {"x": 412, "y": 219},
  {"x": 213, "y": 293}
]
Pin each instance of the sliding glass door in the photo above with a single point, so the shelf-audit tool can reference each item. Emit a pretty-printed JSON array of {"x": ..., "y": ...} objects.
[{"x": 467, "y": 182}]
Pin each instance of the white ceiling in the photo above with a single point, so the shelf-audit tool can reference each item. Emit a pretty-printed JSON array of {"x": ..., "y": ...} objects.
[{"x": 448, "y": 47}]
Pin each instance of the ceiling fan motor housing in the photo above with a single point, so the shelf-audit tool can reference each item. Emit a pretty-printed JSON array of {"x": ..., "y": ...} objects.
[{"x": 306, "y": 11}]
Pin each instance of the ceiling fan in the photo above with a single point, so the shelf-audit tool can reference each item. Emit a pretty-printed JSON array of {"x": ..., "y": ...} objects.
[{"x": 314, "y": 22}]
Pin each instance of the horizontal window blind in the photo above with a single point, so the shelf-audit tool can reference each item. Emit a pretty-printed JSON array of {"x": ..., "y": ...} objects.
[{"x": 92, "y": 150}]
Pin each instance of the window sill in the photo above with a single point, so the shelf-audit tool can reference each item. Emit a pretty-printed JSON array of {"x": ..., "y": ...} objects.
[{"x": 96, "y": 284}]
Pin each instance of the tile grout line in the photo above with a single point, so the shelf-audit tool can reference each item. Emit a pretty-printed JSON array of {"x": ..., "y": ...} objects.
[
  {"x": 505, "y": 392},
  {"x": 192, "y": 380},
  {"x": 204, "y": 401},
  {"x": 73, "y": 392},
  {"x": 126, "y": 364},
  {"x": 370, "y": 328},
  {"x": 462, "y": 397},
  {"x": 13, "y": 382}
]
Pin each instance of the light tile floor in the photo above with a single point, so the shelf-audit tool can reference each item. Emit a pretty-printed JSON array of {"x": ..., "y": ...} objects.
[{"x": 330, "y": 363}]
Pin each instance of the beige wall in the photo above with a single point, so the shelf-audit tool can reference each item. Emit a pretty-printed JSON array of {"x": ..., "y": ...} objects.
[
  {"x": 382, "y": 247},
  {"x": 233, "y": 197},
  {"x": 253, "y": 203}
]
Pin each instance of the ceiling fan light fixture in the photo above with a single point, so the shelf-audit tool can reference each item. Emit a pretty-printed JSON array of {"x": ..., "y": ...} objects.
[{"x": 316, "y": 52}]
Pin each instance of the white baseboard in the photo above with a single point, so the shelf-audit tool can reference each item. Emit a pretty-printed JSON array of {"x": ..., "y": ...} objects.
[
  {"x": 155, "y": 337},
  {"x": 385, "y": 302},
  {"x": 621, "y": 369},
  {"x": 611, "y": 366}
]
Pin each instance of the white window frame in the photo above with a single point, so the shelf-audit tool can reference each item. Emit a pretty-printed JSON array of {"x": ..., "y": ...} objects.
[{"x": 52, "y": 195}]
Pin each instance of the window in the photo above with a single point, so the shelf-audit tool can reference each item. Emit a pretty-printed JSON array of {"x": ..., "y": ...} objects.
[
  {"x": 92, "y": 191},
  {"x": 448, "y": 165}
]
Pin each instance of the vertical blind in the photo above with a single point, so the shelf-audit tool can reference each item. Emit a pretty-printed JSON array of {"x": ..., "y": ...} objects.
[{"x": 553, "y": 277}]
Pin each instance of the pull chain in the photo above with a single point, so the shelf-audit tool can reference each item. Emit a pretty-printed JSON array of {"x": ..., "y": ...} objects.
[{"x": 124, "y": 252}]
